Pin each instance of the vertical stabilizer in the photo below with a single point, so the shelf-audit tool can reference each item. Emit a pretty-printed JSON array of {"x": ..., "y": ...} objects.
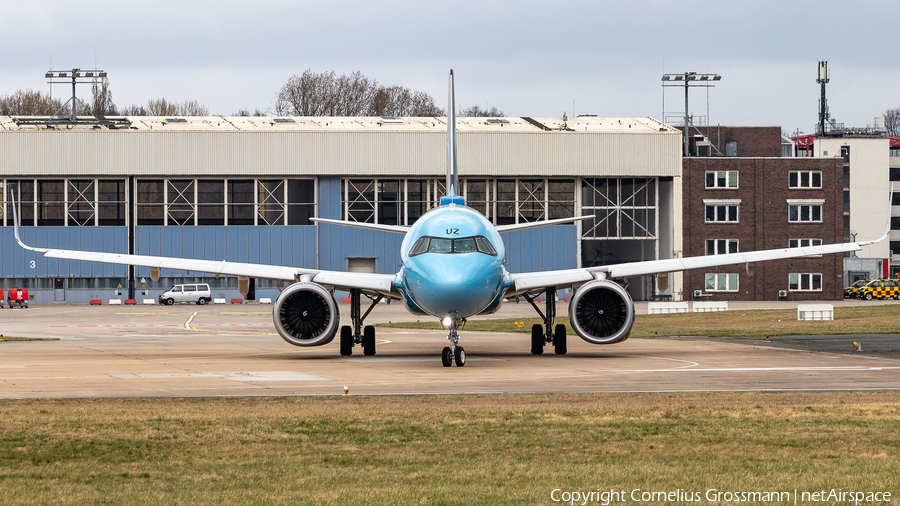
[{"x": 452, "y": 169}]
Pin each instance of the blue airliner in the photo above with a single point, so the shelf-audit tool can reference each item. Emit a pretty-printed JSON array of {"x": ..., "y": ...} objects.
[{"x": 453, "y": 267}]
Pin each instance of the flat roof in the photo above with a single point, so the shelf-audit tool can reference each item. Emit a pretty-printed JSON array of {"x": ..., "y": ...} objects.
[{"x": 326, "y": 123}]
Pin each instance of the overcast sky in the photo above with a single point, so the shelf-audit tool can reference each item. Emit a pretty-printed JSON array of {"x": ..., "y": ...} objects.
[{"x": 527, "y": 58}]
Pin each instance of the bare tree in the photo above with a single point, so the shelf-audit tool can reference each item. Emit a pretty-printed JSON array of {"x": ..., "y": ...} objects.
[
  {"x": 161, "y": 107},
  {"x": 325, "y": 94},
  {"x": 29, "y": 103},
  {"x": 192, "y": 108},
  {"x": 102, "y": 103},
  {"x": 246, "y": 112},
  {"x": 134, "y": 110},
  {"x": 892, "y": 121},
  {"x": 478, "y": 112},
  {"x": 400, "y": 101}
]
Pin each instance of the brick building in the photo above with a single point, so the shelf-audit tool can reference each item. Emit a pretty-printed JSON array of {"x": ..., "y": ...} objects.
[
  {"x": 733, "y": 204},
  {"x": 745, "y": 141}
]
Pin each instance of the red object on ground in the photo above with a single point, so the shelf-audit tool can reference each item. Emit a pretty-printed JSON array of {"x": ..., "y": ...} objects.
[
  {"x": 130, "y": 301},
  {"x": 345, "y": 300},
  {"x": 237, "y": 301},
  {"x": 17, "y": 297},
  {"x": 96, "y": 302}
]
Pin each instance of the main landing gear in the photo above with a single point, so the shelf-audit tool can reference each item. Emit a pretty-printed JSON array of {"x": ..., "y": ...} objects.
[
  {"x": 454, "y": 352},
  {"x": 351, "y": 336},
  {"x": 541, "y": 335}
]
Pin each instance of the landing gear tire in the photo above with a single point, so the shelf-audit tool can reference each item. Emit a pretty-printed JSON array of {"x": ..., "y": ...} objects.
[
  {"x": 368, "y": 340},
  {"x": 537, "y": 339},
  {"x": 170, "y": 301},
  {"x": 346, "y": 340},
  {"x": 446, "y": 357},
  {"x": 460, "y": 357},
  {"x": 559, "y": 339}
]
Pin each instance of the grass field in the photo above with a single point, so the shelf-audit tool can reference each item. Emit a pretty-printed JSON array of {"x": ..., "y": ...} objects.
[
  {"x": 510, "y": 449},
  {"x": 847, "y": 320}
]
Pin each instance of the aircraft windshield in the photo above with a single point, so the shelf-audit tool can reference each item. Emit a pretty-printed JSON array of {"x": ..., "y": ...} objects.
[{"x": 476, "y": 244}]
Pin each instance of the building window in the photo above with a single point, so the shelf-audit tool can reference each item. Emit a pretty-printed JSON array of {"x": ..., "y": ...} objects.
[
  {"x": 721, "y": 282},
  {"x": 805, "y": 282},
  {"x": 805, "y": 179},
  {"x": 803, "y": 243},
  {"x": 722, "y": 179},
  {"x": 721, "y": 246},
  {"x": 895, "y": 222},
  {"x": 895, "y": 174},
  {"x": 895, "y": 247},
  {"x": 800, "y": 213},
  {"x": 623, "y": 208},
  {"x": 722, "y": 213}
]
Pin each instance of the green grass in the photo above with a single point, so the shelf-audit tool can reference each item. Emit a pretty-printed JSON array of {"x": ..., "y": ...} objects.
[
  {"x": 754, "y": 323},
  {"x": 511, "y": 449}
]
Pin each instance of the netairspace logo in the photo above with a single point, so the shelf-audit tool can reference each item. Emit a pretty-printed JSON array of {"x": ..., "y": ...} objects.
[{"x": 607, "y": 497}]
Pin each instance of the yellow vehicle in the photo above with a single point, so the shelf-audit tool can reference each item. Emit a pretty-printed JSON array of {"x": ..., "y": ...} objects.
[
  {"x": 880, "y": 289},
  {"x": 852, "y": 291}
]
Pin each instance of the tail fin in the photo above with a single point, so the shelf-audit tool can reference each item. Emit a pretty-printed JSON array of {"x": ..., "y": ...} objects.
[{"x": 452, "y": 169}]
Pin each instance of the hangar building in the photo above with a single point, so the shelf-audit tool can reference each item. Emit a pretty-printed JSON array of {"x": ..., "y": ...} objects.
[{"x": 244, "y": 189}]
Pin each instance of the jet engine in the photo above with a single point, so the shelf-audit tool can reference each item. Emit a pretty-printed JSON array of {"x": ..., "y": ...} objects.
[
  {"x": 306, "y": 314},
  {"x": 602, "y": 312}
]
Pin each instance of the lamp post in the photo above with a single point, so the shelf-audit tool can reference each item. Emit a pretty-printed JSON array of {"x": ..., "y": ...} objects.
[{"x": 689, "y": 79}]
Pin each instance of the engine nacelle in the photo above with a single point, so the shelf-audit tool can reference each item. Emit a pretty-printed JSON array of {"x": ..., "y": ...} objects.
[
  {"x": 306, "y": 314},
  {"x": 602, "y": 312}
]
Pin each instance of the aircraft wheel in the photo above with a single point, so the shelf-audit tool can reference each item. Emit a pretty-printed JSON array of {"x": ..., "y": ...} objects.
[
  {"x": 537, "y": 339},
  {"x": 346, "y": 340},
  {"x": 170, "y": 301},
  {"x": 446, "y": 357},
  {"x": 559, "y": 339},
  {"x": 460, "y": 357},
  {"x": 368, "y": 340}
]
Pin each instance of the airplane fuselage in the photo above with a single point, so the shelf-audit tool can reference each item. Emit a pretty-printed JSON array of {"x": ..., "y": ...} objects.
[{"x": 453, "y": 264}]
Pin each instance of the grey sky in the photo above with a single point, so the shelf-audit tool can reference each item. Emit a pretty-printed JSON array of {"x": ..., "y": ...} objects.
[{"x": 527, "y": 58}]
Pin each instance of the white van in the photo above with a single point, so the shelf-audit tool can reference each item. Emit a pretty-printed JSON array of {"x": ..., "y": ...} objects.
[{"x": 197, "y": 293}]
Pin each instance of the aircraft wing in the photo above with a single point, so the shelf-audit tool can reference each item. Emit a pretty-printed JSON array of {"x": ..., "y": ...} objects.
[{"x": 532, "y": 281}]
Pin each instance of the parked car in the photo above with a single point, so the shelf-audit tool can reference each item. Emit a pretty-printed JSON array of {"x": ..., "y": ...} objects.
[
  {"x": 880, "y": 289},
  {"x": 852, "y": 291},
  {"x": 196, "y": 293}
]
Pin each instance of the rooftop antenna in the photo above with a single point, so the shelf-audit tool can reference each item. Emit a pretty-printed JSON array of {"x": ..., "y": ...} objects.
[{"x": 823, "y": 75}]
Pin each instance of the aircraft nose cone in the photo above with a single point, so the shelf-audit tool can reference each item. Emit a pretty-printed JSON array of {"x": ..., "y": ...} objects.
[{"x": 466, "y": 290}]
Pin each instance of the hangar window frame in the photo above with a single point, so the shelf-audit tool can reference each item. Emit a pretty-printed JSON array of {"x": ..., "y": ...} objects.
[
  {"x": 68, "y": 202},
  {"x": 264, "y": 201},
  {"x": 401, "y": 201},
  {"x": 721, "y": 282},
  {"x": 625, "y": 208}
]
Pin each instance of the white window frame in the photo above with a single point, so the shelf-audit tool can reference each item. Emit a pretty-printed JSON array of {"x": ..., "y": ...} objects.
[
  {"x": 720, "y": 244},
  {"x": 736, "y": 203},
  {"x": 804, "y": 281},
  {"x": 809, "y": 179},
  {"x": 727, "y": 175},
  {"x": 808, "y": 204},
  {"x": 722, "y": 282},
  {"x": 804, "y": 243}
]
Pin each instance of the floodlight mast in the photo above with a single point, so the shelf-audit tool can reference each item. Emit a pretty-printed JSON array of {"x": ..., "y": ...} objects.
[
  {"x": 74, "y": 76},
  {"x": 688, "y": 78}
]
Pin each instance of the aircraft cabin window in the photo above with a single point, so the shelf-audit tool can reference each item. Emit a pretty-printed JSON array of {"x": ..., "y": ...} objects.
[{"x": 478, "y": 244}]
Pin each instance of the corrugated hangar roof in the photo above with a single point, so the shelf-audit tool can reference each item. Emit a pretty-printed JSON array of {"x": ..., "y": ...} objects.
[{"x": 325, "y": 123}]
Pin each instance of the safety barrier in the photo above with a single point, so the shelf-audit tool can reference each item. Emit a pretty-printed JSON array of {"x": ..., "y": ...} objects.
[
  {"x": 705, "y": 307},
  {"x": 237, "y": 301},
  {"x": 218, "y": 301},
  {"x": 149, "y": 301},
  {"x": 265, "y": 300},
  {"x": 115, "y": 301},
  {"x": 812, "y": 312},
  {"x": 96, "y": 302},
  {"x": 130, "y": 302},
  {"x": 667, "y": 307}
]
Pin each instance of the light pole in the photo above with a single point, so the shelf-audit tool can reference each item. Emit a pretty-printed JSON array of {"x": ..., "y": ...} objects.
[{"x": 690, "y": 79}]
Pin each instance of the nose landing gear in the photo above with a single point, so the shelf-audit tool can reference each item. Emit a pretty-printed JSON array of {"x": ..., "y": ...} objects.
[{"x": 454, "y": 352}]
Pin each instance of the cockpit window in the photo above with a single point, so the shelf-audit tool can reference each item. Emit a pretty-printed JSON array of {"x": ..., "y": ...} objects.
[{"x": 476, "y": 244}]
